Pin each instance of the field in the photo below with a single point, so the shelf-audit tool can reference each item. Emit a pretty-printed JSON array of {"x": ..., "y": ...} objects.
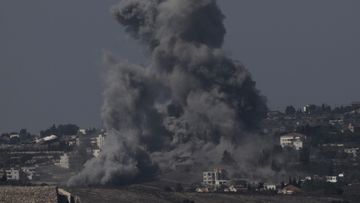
[{"x": 153, "y": 195}]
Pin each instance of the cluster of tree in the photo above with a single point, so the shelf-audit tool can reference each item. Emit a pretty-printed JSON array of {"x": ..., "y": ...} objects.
[
  {"x": 177, "y": 188},
  {"x": 67, "y": 129},
  {"x": 320, "y": 109},
  {"x": 322, "y": 187},
  {"x": 327, "y": 134},
  {"x": 287, "y": 158},
  {"x": 343, "y": 109},
  {"x": 311, "y": 109},
  {"x": 3, "y": 177},
  {"x": 23, "y": 137}
]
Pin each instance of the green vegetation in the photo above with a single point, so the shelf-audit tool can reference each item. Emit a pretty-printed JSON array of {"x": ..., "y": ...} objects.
[{"x": 322, "y": 187}]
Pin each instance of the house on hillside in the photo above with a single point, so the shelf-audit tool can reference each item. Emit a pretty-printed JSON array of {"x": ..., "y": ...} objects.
[
  {"x": 12, "y": 174},
  {"x": 216, "y": 177},
  {"x": 290, "y": 190},
  {"x": 293, "y": 140},
  {"x": 354, "y": 128},
  {"x": 64, "y": 161},
  {"x": 269, "y": 187},
  {"x": 331, "y": 179},
  {"x": 352, "y": 151}
]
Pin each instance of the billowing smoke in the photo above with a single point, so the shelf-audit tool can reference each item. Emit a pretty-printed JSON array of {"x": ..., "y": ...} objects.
[{"x": 190, "y": 106}]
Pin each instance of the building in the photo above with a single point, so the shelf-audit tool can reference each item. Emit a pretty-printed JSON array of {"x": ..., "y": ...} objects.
[
  {"x": 72, "y": 161},
  {"x": 96, "y": 153},
  {"x": 306, "y": 108},
  {"x": 269, "y": 186},
  {"x": 354, "y": 128},
  {"x": 209, "y": 177},
  {"x": 14, "y": 135},
  {"x": 64, "y": 161},
  {"x": 217, "y": 177},
  {"x": 82, "y": 131},
  {"x": 289, "y": 190},
  {"x": 336, "y": 122},
  {"x": 232, "y": 188},
  {"x": 46, "y": 139},
  {"x": 355, "y": 105},
  {"x": 29, "y": 172},
  {"x": 352, "y": 151},
  {"x": 331, "y": 179},
  {"x": 202, "y": 189},
  {"x": 293, "y": 140},
  {"x": 100, "y": 140},
  {"x": 12, "y": 174}
]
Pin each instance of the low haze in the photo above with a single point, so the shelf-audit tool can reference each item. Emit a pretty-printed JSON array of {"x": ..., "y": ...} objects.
[{"x": 298, "y": 52}]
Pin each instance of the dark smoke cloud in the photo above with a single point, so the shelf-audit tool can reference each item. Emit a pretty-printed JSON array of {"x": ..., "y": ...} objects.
[{"x": 189, "y": 106}]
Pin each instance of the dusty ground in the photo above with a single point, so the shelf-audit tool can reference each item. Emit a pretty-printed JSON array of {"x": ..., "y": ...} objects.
[{"x": 146, "y": 194}]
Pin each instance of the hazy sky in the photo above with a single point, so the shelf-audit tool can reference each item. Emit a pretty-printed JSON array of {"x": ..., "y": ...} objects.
[{"x": 299, "y": 52}]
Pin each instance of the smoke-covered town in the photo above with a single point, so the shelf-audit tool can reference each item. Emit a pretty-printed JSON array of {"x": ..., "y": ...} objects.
[
  {"x": 312, "y": 151},
  {"x": 184, "y": 121}
]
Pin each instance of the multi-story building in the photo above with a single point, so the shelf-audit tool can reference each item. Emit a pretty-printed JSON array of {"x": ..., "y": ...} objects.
[
  {"x": 12, "y": 174},
  {"x": 217, "y": 177},
  {"x": 293, "y": 140},
  {"x": 331, "y": 179},
  {"x": 100, "y": 141},
  {"x": 269, "y": 186}
]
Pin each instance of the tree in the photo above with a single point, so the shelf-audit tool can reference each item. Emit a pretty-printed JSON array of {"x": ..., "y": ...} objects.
[
  {"x": 51, "y": 131},
  {"x": 276, "y": 166},
  {"x": 23, "y": 133},
  {"x": 68, "y": 129},
  {"x": 304, "y": 155},
  {"x": 290, "y": 110},
  {"x": 326, "y": 108},
  {"x": 3, "y": 178}
]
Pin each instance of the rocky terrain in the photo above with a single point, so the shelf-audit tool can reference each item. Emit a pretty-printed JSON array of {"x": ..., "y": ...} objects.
[{"x": 13, "y": 194}]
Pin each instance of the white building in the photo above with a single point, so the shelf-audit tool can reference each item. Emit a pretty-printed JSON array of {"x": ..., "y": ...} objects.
[
  {"x": 331, "y": 179},
  {"x": 12, "y": 174},
  {"x": 82, "y": 131},
  {"x": 306, "y": 108},
  {"x": 64, "y": 161},
  {"x": 269, "y": 186},
  {"x": 298, "y": 144},
  {"x": 96, "y": 153},
  {"x": 352, "y": 151},
  {"x": 100, "y": 140},
  {"x": 209, "y": 178},
  {"x": 293, "y": 140},
  {"x": 46, "y": 139},
  {"x": 216, "y": 178},
  {"x": 14, "y": 136}
]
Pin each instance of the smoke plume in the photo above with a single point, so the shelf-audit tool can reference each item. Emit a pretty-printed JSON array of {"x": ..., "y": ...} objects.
[{"x": 190, "y": 106}]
